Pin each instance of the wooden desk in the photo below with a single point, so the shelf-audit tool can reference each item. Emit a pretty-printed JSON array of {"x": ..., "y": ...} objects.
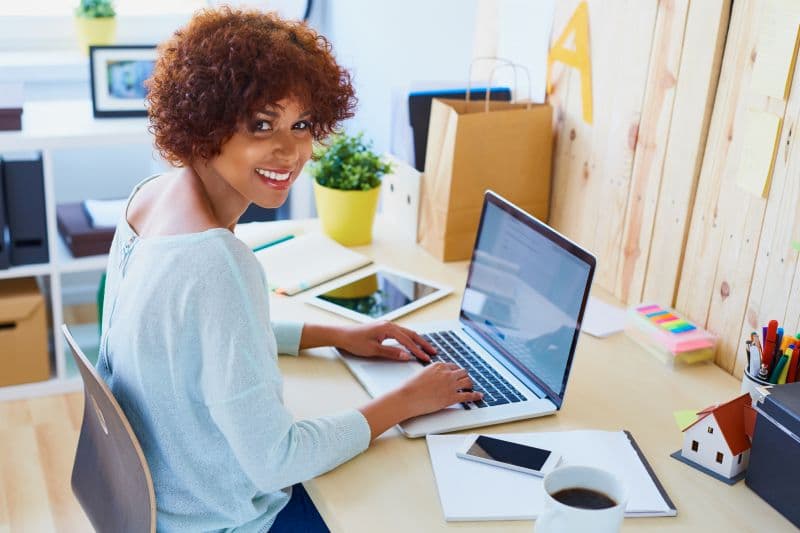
[{"x": 614, "y": 385}]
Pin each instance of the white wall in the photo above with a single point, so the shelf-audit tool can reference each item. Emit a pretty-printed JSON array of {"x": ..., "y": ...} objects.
[{"x": 389, "y": 46}]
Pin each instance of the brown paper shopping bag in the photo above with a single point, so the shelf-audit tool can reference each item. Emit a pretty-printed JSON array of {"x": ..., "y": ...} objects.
[{"x": 474, "y": 146}]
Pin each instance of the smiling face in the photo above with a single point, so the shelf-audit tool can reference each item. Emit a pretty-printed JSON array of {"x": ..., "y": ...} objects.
[{"x": 263, "y": 158}]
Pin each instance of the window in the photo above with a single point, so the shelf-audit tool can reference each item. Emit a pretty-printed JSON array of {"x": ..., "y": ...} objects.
[
  {"x": 695, "y": 445},
  {"x": 740, "y": 459},
  {"x": 719, "y": 457},
  {"x": 710, "y": 429}
]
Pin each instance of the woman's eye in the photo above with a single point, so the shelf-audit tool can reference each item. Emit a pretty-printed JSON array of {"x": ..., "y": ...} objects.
[
  {"x": 262, "y": 125},
  {"x": 303, "y": 125}
]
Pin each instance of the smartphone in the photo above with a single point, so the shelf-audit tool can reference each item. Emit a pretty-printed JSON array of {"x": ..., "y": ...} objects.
[{"x": 506, "y": 454}]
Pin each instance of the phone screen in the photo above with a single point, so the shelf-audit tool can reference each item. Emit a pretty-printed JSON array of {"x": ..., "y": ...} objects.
[{"x": 509, "y": 452}]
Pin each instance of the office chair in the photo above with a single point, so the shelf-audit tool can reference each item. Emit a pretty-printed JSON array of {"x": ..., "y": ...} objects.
[{"x": 110, "y": 477}]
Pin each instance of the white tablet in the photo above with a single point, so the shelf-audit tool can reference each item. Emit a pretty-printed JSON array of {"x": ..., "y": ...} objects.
[{"x": 378, "y": 293}]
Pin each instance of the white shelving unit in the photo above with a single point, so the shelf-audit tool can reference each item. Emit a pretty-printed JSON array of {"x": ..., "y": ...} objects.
[{"x": 48, "y": 126}]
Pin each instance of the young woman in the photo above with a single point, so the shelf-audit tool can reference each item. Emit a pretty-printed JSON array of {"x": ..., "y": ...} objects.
[{"x": 188, "y": 347}]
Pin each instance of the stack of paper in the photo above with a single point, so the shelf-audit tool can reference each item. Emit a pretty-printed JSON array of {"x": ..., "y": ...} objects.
[
  {"x": 469, "y": 490},
  {"x": 302, "y": 262}
]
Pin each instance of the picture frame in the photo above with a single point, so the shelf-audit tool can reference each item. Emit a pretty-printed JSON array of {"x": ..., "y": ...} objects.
[{"x": 117, "y": 76}]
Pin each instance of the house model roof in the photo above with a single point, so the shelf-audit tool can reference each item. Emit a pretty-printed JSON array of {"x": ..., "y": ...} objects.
[{"x": 731, "y": 419}]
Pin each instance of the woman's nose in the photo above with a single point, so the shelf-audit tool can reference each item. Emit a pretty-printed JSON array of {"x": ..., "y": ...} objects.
[{"x": 286, "y": 146}]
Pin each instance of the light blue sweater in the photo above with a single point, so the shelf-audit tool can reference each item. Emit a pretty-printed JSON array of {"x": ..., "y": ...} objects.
[{"x": 190, "y": 353}]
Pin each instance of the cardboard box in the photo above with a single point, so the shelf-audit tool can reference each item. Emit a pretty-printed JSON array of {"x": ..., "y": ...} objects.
[
  {"x": 774, "y": 471},
  {"x": 24, "y": 356}
]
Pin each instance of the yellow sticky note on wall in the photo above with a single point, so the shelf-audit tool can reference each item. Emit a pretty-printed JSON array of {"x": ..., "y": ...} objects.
[
  {"x": 776, "y": 49},
  {"x": 761, "y": 130}
]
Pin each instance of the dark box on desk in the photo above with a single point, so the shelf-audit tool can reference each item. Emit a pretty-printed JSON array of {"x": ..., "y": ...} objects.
[
  {"x": 78, "y": 233},
  {"x": 774, "y": 470}
]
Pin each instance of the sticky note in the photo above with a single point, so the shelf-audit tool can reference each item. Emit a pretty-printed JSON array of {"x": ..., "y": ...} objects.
[
  {"x": 776, "y": 48},
  {"x": 760, "y": 130},
  {"x": 684, "y": 418}
]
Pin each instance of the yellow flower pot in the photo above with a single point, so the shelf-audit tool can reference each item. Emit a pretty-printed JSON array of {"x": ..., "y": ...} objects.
[
  {"x": 347, "y": 216},
  {"x": 95, "y": 31}
]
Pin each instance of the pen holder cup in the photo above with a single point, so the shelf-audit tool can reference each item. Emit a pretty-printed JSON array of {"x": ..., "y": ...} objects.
[{"x": 754, "y": 386}]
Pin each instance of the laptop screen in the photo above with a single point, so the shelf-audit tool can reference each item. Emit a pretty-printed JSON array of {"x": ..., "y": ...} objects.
[{"x": 525, "y": 295}]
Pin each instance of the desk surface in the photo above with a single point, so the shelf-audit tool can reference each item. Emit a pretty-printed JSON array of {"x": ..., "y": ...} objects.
[{"x": 614, "y": 385}]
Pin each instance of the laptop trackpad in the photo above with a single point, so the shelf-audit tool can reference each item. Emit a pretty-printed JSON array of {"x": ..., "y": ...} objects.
[
  {"x": 383, "y": 376},
  {"x": 380, "y": 376}
]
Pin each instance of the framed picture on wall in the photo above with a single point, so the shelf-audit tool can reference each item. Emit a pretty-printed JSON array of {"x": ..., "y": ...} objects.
[{"x": 117, "y": 75}]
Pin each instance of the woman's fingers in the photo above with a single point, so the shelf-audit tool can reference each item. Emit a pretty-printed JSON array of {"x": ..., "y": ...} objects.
[
  {"x": 394, "y": 352},
  {"x": 469, "y": 396},
  {"x": 411, "y": 346},
  {"x": 419, "y": 340}
]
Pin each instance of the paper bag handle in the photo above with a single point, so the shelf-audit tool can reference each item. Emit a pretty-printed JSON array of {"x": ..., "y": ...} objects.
[{"x": 505, "y": 63}]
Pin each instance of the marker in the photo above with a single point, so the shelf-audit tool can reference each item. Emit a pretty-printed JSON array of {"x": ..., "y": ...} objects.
[
  {"x": 778, "y": 352},
  {"x": 773, "y": 377},
  {"x": 785, "y": 370},
  {"x": 769, "y": 344},
  {"x": 791, "y": 376}
]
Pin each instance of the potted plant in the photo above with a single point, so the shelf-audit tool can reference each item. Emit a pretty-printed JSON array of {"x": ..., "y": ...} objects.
[
  {"x": 347, "y": 179},
  {"x": 95, "y": 23}
]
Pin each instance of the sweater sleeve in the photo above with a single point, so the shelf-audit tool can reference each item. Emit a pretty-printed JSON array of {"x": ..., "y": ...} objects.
[
  {"x": 242, "y": 389},
  {"x": 287, "y": 335}
]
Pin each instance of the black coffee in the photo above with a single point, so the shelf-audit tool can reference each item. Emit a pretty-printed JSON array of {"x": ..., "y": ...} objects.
[{"x": 584, "y": 498}]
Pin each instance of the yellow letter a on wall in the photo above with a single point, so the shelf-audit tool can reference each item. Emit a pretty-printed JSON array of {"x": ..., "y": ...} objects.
[{"x": 578, "y": 58}]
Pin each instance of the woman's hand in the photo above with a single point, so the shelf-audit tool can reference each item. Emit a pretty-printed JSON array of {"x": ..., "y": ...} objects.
[
  {"x": 367, "y": 341},
  {"x": 438, "y": 386}
]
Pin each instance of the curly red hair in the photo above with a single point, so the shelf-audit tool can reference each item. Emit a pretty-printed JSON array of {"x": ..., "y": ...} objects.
[{"x": 225, "y": 65}]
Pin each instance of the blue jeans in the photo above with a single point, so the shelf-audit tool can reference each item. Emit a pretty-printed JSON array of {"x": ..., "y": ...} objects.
[{"x": 299, "y": 515}]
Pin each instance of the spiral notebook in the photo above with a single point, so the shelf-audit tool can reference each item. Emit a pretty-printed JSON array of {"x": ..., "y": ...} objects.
[
  {"x": 300, "y": 262},
  {"x": 469, "y": 490}
]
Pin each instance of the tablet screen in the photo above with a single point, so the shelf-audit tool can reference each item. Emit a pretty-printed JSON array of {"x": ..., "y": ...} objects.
[{"x": 378, "y": 294}]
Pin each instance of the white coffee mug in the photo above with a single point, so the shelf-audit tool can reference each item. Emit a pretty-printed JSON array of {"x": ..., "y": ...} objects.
[{"x": 561, "y": 518}]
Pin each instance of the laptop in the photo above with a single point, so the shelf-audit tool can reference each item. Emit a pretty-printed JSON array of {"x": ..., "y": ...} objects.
[{"x": 517, "y": 329}]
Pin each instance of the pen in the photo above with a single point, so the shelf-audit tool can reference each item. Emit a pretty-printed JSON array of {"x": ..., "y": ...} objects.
[
  {"x": 273, "y": 243},
  {"x": 747, "y": 347},
  {"x": 755, "y": 361}
]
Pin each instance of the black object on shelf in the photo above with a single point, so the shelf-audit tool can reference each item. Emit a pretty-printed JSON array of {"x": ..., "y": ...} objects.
[
  {"x": 419, "y": 111},
  {"x": 23, "y": 181},
  {"x": 4, "y": 257}
]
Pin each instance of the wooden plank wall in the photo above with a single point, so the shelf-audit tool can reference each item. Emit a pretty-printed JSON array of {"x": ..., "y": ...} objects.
[
  {"x": 624, "y": 186},
  {"x": 740, "y": 269}
]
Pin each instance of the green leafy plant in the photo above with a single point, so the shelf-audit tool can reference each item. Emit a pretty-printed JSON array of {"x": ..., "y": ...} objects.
[
  {"x": 348, "y": 163},
  {"x": 92, "y": 9}
]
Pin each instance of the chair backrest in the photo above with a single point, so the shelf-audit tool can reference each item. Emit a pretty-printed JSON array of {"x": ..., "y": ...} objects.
[{"x": 110, "y": 477}]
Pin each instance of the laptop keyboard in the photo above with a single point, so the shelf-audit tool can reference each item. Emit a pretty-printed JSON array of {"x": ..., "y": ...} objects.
[{"x": 451, "y": 349}]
